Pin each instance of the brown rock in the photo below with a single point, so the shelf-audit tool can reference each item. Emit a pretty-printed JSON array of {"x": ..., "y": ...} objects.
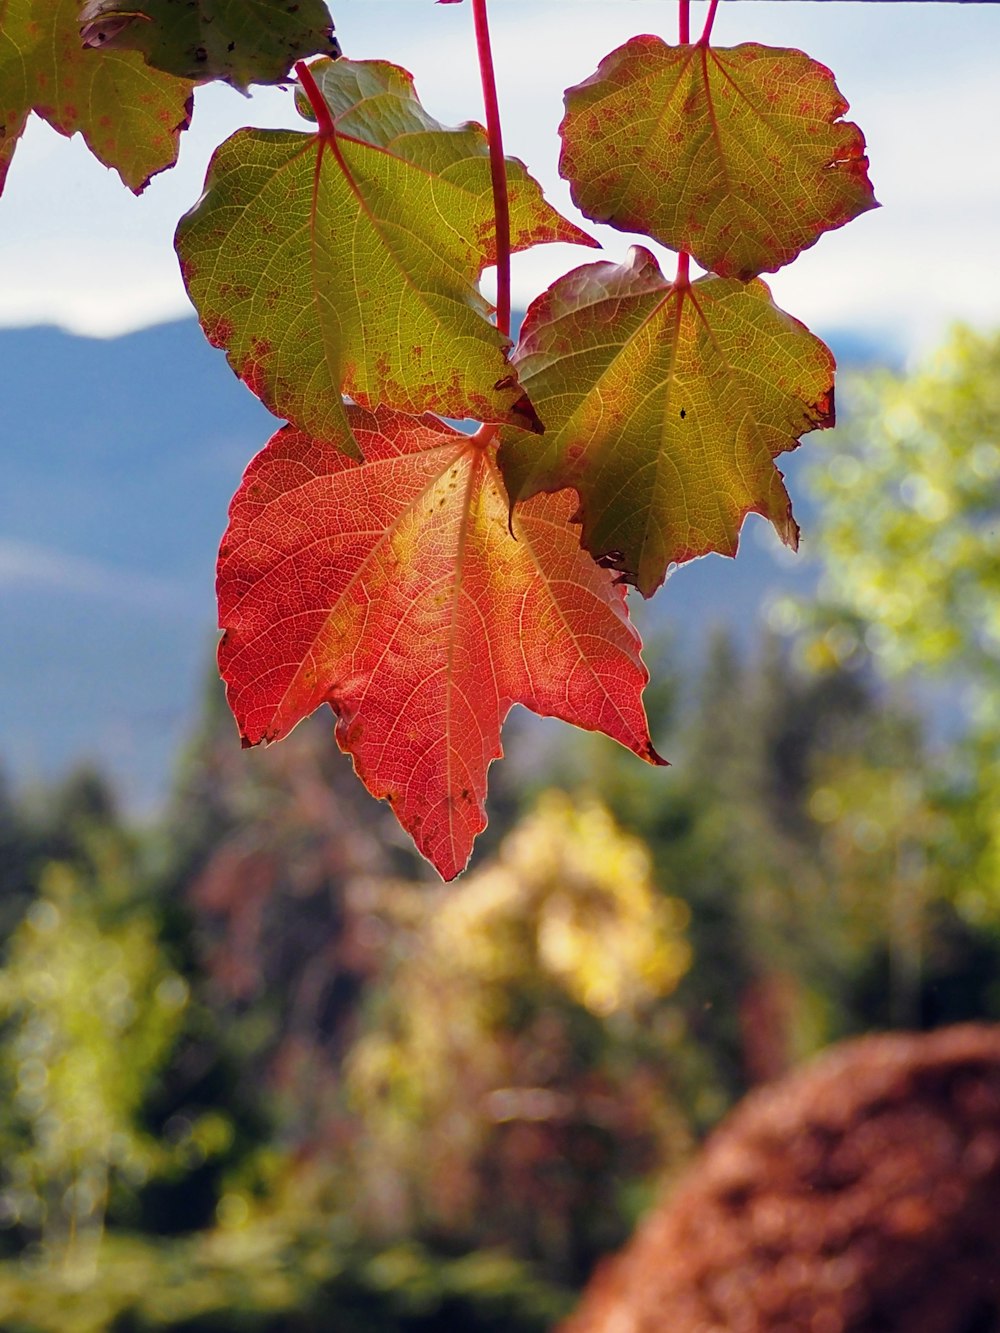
[{"x": 858, "y": 1195}]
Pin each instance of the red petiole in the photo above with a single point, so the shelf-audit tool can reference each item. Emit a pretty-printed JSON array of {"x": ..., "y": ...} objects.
[
  {"x": 498, "y": 166},
  {"x": 706, "y": 32},
  {"x": 498, "y": 175},
  {"x": 683, "y": 278},
  {"x": 324, "y": 121},
  {"x": 325, "y": 126}
]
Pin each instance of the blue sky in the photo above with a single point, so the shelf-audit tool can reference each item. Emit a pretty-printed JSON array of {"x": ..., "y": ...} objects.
[{"x": 923, "y": 81}]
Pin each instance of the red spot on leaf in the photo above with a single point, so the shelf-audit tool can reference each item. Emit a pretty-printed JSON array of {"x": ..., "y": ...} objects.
[{"x": 218, "y": 329}]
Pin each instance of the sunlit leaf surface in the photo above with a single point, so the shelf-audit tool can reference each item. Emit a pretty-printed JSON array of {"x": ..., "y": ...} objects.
[
  {"x": 739, "y": 157},
  {"x": 394, "y": 591},
  {"x": 131, "y": 116},
  {"x": 665, "y": 408},
  {"x": 353, "y": 267}
]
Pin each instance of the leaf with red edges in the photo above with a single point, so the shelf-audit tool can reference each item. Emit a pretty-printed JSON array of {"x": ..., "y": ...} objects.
[
  {"x": 665, "y": 408},
  {"x": 393, "y": 590},
  {"x": 738, "y": 156},
  {"x": 353, "y": 266},
  {"x": 131, "y": 116},
  {"x": 11, "y": 130}
]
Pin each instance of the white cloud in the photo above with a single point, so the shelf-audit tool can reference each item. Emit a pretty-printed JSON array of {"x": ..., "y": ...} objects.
[{"x": 25, "y": 566}]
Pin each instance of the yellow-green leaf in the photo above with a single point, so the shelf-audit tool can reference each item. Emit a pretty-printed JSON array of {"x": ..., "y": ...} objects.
[
  {"x": 739, "y": 157},
  {"x": 131, "y": 116},
  {"x": 350, "y": 263},
  {"x": 664, "y": 407}
]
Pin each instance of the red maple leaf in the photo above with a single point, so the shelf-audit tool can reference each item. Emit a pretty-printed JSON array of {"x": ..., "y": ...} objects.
[{"x": 394, "y": 590}]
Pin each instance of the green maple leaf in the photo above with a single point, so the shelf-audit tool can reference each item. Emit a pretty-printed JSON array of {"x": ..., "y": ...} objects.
[
  {"x": 739, "y": 157},
  {"x": 351, "y": 265},
  {"x": 664, "y": 407},
  {"x": 131, "y": 116},
  {"x": 241, "y": 41}
]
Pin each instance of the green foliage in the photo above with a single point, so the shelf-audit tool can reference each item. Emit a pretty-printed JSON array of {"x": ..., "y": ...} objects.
[
  {"x": 910, "y": 537},
  {"x": 801, "y": 832},
  {"x": 910, "y": 547},
  {"x": 90, "y": 1010},
  {"x": 262, "y": 1275}
]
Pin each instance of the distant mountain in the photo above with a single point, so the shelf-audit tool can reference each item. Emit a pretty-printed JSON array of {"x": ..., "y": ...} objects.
[{"x": 120, "y": 458}]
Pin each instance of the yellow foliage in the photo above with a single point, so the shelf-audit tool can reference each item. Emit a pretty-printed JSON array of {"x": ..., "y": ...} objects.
[{"x": 567, "y": 920}]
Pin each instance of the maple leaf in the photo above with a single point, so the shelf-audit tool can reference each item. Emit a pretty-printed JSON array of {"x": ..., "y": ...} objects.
[
  {"x": 351, "y": 265},
  {"x": 130, "y": 116},
  {"x": 738, "y": 157},
  {"x": 240, "y": 41},
  {"x": 664, "y": 407},
  {"x": 393, "y": 590}
]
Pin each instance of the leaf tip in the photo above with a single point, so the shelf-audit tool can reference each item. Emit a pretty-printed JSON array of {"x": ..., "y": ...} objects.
[
  {"x": 790, "y": 532},
  {"x": 651, "y": 755}
]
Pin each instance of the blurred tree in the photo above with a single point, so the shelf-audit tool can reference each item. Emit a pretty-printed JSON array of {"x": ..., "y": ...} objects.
[
  {"x": 90, "y": 1010},
  {"x": 910, "y": 550},
  {"x": 121, "y": 1127},
  {"x": 76, "y": 820},
  {"x": 910, "y": 523},
  {"x": 260, "y": 852},
  {"x": 513, "y": 1077},
  {"x": 796, "y": 799},
  {"x": 15, "y": 859}
]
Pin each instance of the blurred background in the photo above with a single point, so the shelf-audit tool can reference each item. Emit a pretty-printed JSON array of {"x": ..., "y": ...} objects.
[{"x": 258, "y": 1070}]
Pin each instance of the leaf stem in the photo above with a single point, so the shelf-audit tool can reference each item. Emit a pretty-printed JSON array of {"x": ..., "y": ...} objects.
[
  {"x": 485, "y": 435},
  {"x": 684, "y": 22},
  {"x": 317, "y": 101},
  {"x": 683, "y": 278},
  {"x": 326, "y": 133},
  {"x": 706, "y": 32},
  {"x": 498, "y": 166}
]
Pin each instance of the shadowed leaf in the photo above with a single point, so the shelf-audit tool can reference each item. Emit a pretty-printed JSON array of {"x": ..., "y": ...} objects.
[
  {"x": 665, "y": 409},
  {"x": 241, "y": 41},
  {"x": 394, "y": 591},
  {"x": 739, "y": 157}
]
